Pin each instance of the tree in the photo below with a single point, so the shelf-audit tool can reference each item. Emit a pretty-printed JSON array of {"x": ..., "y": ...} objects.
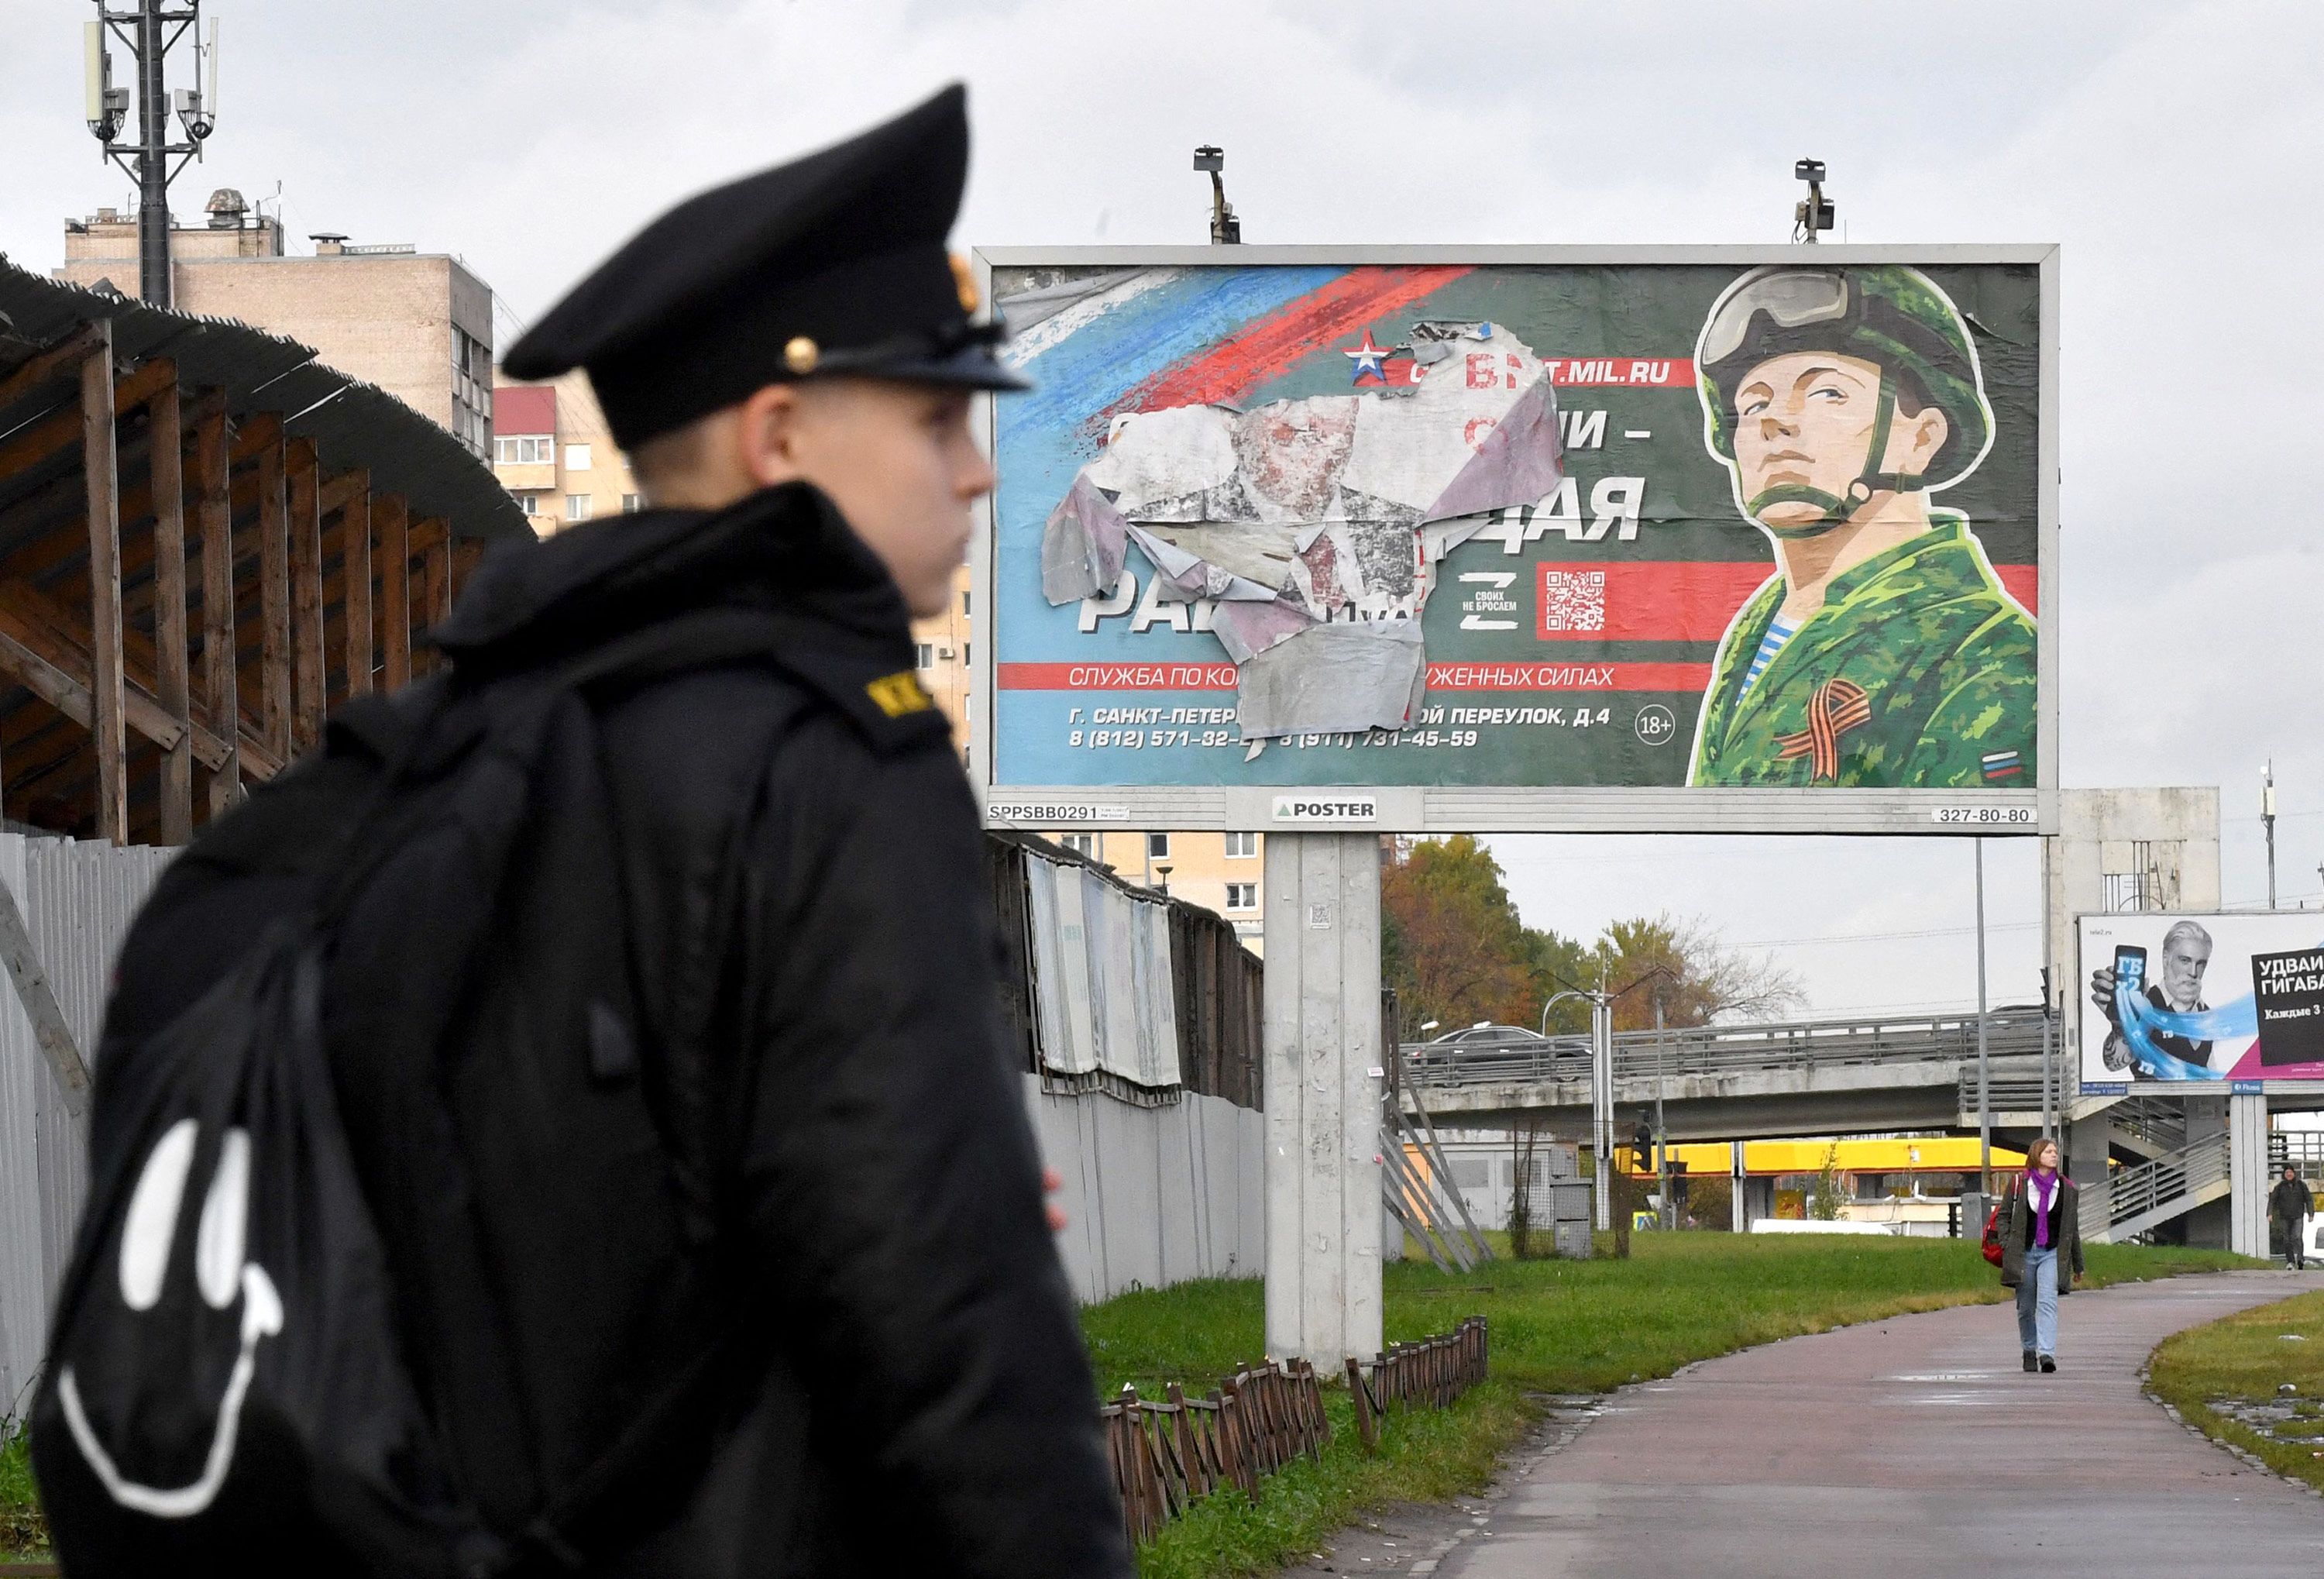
[
  {"x": 1825, "y": 1207},
  {"x": 1456, "y": 952},
  {"x": 1524, "y": 1139},
  {"x": 1452, "y": 946},
  {"x": 1711, "y": 1201},
  {"x": 1697, "y": 978}
]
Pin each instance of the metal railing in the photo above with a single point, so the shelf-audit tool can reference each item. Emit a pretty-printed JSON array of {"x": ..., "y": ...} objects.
[
  {"x": 2135, "y": 1192},
  {"x": 1808, "y": 1044},
  {"x": 2161, "y": 1123},
  {"x": 2012, "y": 1091}
]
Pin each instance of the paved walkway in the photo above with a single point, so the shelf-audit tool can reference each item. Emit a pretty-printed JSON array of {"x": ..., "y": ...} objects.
[{"x": 1912, "y": 1448}]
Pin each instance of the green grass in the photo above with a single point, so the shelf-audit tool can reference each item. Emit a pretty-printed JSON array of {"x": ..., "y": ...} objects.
[
  {"x": 21, "y": 1530},
  {"x": 1557, "y": 1327},
  {"x": 2247, "y": 1356}
]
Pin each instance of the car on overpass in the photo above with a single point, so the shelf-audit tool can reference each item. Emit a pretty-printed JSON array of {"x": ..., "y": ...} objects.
[{"x": 1487, "y": 1042}]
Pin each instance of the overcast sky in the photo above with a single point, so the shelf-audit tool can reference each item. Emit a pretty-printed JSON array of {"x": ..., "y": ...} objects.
[{"x": 2172, "y": 149}]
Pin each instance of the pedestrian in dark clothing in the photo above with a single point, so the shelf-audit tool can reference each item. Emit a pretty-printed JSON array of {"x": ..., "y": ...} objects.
[
  {"x": 790, "y": 360},
  {"x": 2290, "y": 1204},
  {"x": 2041, "y": 1251}
]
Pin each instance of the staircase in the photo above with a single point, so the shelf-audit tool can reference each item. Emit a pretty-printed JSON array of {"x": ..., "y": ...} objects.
[{"x": 2140, "y": 1198}]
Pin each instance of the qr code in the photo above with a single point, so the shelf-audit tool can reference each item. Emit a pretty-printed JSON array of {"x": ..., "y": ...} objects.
[{"x": 1573, "y": 600}]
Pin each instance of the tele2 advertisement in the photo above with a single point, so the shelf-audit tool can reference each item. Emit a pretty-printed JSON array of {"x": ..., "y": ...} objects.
[
  {"x": 1642, "y": 525},
  {"x": 2175, "y": 998}
]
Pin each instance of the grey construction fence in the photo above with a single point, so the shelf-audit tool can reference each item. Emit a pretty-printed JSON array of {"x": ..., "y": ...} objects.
[
  {"x": 1137, "y": 1020},
  {"x": 77, "y": 899}
]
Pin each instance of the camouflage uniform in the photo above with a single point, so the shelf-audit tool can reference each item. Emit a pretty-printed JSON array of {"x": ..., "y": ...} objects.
[
  {"x": 1943, "y": 660},
  {"x": 1919, "y": 670}
]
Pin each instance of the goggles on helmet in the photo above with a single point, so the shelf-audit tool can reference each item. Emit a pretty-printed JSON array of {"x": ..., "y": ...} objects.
[{"x": 1792, "y": 298}]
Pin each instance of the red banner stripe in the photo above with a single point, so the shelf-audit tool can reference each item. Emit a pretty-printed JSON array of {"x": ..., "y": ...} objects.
[
  {"x": 1116, "y": 676},
  {"x": 1568, "y": 676},
  {"x": 1672, "y": 600},
  {"x": 1332, "y": 317},
  {"x": 1446, "y": 676}
]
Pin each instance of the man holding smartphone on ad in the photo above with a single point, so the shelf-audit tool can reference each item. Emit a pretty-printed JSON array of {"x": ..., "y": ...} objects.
[{"x": 2175, "y": 985}]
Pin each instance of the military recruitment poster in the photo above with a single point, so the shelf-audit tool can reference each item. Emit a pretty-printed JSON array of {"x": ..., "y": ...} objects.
[
  {"x": 1770, "y": 522},
  {"x": 2176, "y": 999}
]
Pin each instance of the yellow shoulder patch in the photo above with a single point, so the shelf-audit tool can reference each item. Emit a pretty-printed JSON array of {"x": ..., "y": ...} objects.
[{"x": 899, "y": 694}]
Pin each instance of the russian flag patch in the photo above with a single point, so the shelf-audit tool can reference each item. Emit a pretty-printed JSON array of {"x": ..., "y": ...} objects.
[{"x": 2001, "y": 764}]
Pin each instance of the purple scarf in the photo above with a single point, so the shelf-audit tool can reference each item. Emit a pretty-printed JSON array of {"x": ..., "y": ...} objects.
[{"x": 2042, "y": 1191}]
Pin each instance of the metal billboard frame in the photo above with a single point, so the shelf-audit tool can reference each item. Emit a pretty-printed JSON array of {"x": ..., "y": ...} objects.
[{"x": 1518, "y": 808}]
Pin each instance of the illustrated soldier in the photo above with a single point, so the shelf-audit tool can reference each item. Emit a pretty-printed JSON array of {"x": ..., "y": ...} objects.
[
  {"x": 1884, "y": 651},
  {"x": 808, "y": 1003}
]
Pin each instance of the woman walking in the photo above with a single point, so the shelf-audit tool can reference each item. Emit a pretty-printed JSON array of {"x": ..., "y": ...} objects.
[{"x": 2041, "y": 1251}]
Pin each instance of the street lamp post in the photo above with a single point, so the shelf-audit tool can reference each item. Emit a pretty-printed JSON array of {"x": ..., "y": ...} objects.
[{"x": 1601, "y": 1081}]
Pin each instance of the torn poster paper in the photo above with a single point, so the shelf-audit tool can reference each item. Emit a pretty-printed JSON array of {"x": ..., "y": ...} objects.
[{"x": 1311, "y": 528}]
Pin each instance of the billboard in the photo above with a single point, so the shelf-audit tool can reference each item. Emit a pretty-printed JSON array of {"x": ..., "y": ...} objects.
[
  {"x": 2178, "y": 998},
  {"x": 1504, "y": 539}
]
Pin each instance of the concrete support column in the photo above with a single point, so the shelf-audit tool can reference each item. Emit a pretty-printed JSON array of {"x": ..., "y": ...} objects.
[
  {"x": 2248, "y": 1181},
  {"x": 1737, "y": 1175},
  {"x": 2086, "y": 1146},
  {"x": 2209, "y": 1226},
  {"x": 1322, "y": 1037}
]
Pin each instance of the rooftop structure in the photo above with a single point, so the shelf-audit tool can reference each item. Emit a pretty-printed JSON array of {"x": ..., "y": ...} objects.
[{"x": 417, "y": 324}]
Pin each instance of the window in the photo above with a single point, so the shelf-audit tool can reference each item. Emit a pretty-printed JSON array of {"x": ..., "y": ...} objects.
[
  {"x": 1241, "y": 845},
  {"x": 924, "y": 656},
  {"x": 577, "y": 506},
  {"x": 472, "y": 390},
  {"x": 577, "y": 457},
  {"x": 963, "y": 655},
  {"x": 963, "y": 603},
  {"x": 1157, "y": 846},
  {"x": 1242, "y": 896},
  {"x": 529, "y": 502},
  {"x": 1080, "y": 844},
  {"x": 525, "y": 449},
  {"x": 632, "y": 503}
]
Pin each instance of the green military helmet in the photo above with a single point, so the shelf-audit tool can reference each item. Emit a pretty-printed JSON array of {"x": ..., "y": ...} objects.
[{"x": 1887, "y": 314}]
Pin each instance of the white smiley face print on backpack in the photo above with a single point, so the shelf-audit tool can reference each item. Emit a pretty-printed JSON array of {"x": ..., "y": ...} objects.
[{"x": 222, "y": 1274}]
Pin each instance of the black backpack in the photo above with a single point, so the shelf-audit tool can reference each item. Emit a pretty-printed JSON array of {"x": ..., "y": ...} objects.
[{"x": 225, "y": 1388}]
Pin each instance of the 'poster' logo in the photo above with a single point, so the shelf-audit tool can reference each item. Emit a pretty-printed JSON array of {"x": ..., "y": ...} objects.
[{"x": 1317, "y": 810}]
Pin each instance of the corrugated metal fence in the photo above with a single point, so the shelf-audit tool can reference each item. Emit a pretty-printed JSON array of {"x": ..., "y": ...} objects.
[
  {"x": 1108, "y": 985},
  {"x": 79, "y": 900}
]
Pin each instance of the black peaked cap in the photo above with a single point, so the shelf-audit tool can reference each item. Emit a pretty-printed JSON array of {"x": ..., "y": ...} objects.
[{"x": 832, "y": 263}]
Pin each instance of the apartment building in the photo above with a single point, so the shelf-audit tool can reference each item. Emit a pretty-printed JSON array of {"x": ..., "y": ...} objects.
[
  {"x": 417, "y": 324},
  {"x": 552, "y": 450},
  {"x": 1219, "y": 871}
]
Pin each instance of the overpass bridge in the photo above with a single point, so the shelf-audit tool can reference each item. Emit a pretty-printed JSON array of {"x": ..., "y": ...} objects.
[
  {"x": 1838, "y": 1078},
  {"x": 1745, "y": 1082}
]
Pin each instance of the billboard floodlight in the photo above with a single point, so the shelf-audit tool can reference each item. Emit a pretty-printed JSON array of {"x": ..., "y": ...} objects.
[
  {"x": 1226, "y": 230},
  {"x": 1812, "y": 214}
]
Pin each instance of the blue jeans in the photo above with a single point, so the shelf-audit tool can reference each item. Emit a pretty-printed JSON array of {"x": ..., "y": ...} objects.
[{"x": 2037, "y": 1302}]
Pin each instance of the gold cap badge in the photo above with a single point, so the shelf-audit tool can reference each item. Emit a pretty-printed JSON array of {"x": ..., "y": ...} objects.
[{"x": 800, "y": 355}]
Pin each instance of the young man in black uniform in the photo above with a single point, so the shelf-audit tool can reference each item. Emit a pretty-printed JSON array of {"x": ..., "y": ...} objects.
[{"x": 789, "y": 359}]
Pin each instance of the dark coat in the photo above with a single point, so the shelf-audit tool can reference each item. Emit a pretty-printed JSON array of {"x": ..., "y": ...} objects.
[
  {"x": 814, "y": 969},
  {"x": 2291, "y": 1200},
  {"x": 2017, "y": 1233}
]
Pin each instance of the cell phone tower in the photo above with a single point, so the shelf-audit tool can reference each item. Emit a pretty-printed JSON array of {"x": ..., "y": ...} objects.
[{"x": 149, "y": 30}]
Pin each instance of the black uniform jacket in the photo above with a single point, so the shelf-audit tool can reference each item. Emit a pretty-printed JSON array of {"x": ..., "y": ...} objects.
[{"x": 801, "y": 869}]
